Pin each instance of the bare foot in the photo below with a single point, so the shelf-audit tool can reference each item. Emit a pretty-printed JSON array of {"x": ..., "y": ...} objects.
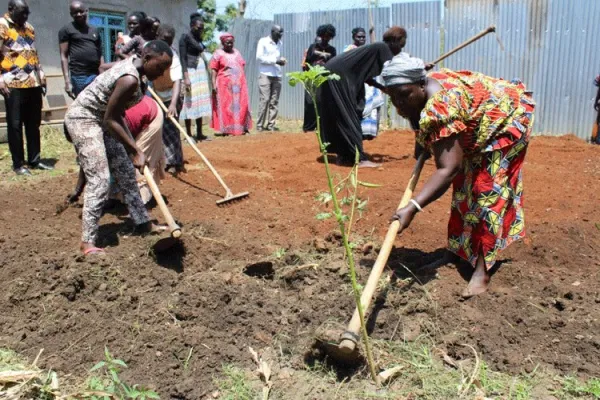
[
  {"x": 368, "y": 164},
  {"x": 479, "y": 281}
]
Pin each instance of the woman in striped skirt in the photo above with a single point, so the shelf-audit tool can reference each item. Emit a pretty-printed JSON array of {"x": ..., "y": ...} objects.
[{"x": 196, "y": 102}]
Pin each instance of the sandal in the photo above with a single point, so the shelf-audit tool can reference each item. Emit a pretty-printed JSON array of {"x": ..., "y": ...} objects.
[{"x": 94, "y": 251}]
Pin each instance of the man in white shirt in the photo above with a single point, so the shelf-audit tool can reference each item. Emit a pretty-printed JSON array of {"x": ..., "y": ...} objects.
[{"x": 268, "y": 54}]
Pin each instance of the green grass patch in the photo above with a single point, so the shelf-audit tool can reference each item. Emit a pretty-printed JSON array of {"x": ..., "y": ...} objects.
[
  {"x": 573, "y": 388},
  {"x": 235, "y": 385},
  {"x": 55, "y": 149}
]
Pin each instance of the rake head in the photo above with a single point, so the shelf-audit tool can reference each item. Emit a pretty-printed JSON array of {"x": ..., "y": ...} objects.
[{"x": 231, "y": 198}]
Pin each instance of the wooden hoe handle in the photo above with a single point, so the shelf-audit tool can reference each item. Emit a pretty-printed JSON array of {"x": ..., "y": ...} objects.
[
  {"x": 349, "y": 338},
  {"x": 173, "y": 227},
  {"x": 475, "y": 38},
  {"x": 190, "y": 141}
]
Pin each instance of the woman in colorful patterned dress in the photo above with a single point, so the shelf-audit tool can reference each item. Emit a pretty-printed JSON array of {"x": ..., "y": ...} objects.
[
  {"x": 477, "y": 128},
  {"x": 230, "y": 106}
]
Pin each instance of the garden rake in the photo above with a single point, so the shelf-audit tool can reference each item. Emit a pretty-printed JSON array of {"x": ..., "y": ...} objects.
[{"x": 229, "y": 196}]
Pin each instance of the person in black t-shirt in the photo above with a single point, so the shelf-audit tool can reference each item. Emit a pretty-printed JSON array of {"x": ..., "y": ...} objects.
[
  {"x": 80, "y": 51},
  {"x": 318, "y": 53}
]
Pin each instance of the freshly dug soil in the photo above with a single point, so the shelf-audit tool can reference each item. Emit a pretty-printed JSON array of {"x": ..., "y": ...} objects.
[{"x": 223, "y": 289}]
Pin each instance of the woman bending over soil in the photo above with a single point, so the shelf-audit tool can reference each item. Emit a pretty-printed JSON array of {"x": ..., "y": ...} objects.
[
  {"x": 477, "y": 128},
  {"x": 103, "y": 142}
]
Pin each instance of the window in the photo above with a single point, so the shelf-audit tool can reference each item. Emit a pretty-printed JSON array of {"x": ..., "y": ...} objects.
[{"x": 109, "y": 25}]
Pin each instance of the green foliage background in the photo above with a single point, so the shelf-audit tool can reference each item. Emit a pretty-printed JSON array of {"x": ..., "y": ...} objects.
[{"x": 214, "y": 22}]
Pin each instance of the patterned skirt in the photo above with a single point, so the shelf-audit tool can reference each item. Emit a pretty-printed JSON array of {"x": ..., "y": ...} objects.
[
  {"x": 196, "y": 103},
  {"x": 487, "y": 204}
]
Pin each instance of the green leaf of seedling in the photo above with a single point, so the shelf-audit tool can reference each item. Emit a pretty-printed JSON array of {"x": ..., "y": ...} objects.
[
  {"x": 346, "y": 201},
  {"x": 323, "y": 216},
  {"x": 324, "y": 197},
  {"x": 120, "y": 362},
  {"x": 152, "y": 395},
  {"x": 369, "y": 185},
  {"x": 362, "y": 204},
  {"x": 98, "y": 366}
]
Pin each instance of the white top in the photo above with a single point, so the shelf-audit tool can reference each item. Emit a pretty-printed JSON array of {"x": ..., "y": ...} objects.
[{"x": 267, "y": 54}]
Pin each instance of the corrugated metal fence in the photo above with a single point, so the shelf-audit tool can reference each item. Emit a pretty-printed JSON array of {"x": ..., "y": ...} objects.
[{"x": 548, "y": 44}]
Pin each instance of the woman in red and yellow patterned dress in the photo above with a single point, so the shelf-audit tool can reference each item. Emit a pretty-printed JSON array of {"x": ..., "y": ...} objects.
[{"x": 477, "y": 128}]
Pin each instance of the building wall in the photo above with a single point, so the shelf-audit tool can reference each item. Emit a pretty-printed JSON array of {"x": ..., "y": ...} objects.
[
  {"x": 48, "y": 16},
  {"x": 547, "y": 44}
]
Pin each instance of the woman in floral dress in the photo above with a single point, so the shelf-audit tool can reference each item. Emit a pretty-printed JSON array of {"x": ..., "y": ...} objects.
[
  {"x": 230, "y": 106},
  {"x": 477, "y": 128}
]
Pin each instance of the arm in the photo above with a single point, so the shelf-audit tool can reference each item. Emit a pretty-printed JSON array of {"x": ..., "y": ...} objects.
[
  {"x": 64, "y": 63},
  {"x": 183, "y": 53},
  {"x": 128, "y": 48},
  {"x": 597, "y": 102},
  {"x": 175, "y": 93},
  {"x": 4, "y": 90},
  {"x": 213, "y": 75},
  {"x": 449, "y": 156},
  {"x": 183, "y": 58},
  {"x": 99, "y": 50},
  {"x": 105, "y": 67},
  {"x": 375, "y": 84},
  {"x": 113, "y": 117}
]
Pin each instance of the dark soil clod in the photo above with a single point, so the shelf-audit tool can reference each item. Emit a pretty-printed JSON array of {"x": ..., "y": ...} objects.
[{"x": 263, "y": 269}]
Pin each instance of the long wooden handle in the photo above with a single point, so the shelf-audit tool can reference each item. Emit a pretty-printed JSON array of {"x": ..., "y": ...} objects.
[
  {"x": 371, "y": 23},
  {"x": 475, "y": 38},
  {"x": 369, "y": 290},
  {"x": 173, "y": 227},
  {"x": 191, "y": 142}
]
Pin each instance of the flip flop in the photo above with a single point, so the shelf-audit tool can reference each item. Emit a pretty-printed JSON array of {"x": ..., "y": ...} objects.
[{"x": 94, "y": 251}]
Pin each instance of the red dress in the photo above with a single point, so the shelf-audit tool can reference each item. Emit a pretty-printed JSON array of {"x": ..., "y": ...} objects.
[
  {"x": 493, "y": 119},
  {"x": 230, "y": 106}
]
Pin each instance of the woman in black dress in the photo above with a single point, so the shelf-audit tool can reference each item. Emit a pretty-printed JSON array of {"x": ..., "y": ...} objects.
[
  {"x": 317, "y": 54},
  {"x": 341, "y": 102}
]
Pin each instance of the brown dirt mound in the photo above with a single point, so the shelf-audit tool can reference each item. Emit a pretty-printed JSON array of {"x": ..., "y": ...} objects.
[{"x": 212, "y": 295}]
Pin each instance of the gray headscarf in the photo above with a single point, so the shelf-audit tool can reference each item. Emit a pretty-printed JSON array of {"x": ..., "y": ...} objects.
[{"x": 403, "y": 69}]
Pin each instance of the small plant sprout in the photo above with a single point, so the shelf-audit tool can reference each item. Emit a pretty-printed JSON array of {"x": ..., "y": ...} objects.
[
  {"x": 311, "y": 80},
  {"x": 109, "y": 385},
  {"x": 279, "y": 253}
]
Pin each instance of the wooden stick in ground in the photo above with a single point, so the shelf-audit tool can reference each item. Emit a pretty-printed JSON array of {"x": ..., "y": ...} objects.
[
  {"x": 349, "y": 339},
  {"x": 371, "y": 23},
  {"x": 475, "y": 38},
  {"x": 173, "y": 227},
  {"x": 192, "y": 143}
]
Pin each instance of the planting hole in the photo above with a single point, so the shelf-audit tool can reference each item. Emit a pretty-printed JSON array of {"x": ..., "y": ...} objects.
[{"x": 263, "y": 269}]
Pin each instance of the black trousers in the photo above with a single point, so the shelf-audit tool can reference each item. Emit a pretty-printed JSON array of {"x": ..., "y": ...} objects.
[
  {"x": 24, "y": 108},
  {"x": 310, "y": 117}
]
